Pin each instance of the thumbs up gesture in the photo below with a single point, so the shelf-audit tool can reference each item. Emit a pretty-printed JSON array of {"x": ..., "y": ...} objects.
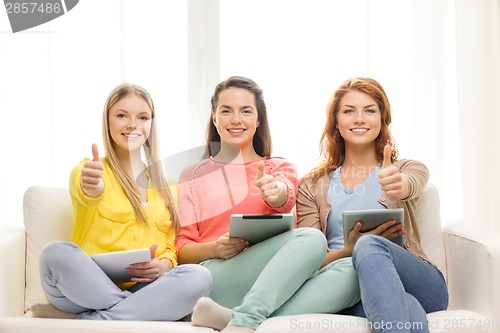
[
  {"x": 272, "y": 191},
  {"x": 92, "y": 183},
  {"x": 393, "y": 183}
]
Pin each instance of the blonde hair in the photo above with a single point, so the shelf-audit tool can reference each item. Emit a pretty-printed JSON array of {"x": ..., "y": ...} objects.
[{"x": 151, "y": 153}]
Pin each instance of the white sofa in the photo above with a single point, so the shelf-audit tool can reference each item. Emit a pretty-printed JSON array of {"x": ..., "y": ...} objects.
[{"x": 470, "y": 258}]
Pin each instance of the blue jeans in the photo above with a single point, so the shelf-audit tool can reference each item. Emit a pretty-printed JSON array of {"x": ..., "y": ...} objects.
[
  {"x": 74, "y": 283},
  {"x": 397, "y": 287}
]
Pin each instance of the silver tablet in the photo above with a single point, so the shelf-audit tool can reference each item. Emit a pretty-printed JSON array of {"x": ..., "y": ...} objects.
[
  {"x": 258, "y": 227},
  {"x": 114, "y": 264},
  {"x": 372, "y": 218}
]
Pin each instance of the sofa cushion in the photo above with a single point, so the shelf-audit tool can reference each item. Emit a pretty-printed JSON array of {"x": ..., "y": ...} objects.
[
  {"x": 12, "y": 256},
  {"x": 450, "y": 321},
  {"x": 429, "y": 226},
  {"x": 39, "y": 325},
  {"x": 48, "y": 216}
]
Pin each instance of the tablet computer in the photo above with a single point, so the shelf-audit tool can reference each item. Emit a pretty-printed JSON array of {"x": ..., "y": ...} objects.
[
  {"x": 115, "y": 264},
  {"x": 372, "y": 218},
  {"x": 258, "y": 227}
]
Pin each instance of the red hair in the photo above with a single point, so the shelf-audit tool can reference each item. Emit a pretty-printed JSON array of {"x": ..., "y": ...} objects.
[{"x": 332, "y": 146}]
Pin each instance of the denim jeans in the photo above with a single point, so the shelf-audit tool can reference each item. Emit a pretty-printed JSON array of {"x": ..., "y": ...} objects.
[
  {"x": 397, "y": 287},
  {"x": 74, "y": 283},
  {"x": 281, "y": 276}
]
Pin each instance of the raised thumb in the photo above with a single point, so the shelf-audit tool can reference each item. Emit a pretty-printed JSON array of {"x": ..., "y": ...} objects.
[
  {"x": 387, "y": 156},
  {"x": 260, "y": 170},
  {"x": 95, "y": 153}
]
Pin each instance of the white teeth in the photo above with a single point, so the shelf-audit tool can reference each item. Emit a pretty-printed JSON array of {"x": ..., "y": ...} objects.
[
  {"x": 235, "y": 130},
  {"x": 132, "y": 135},
  {"x": 359, "y": 130}
]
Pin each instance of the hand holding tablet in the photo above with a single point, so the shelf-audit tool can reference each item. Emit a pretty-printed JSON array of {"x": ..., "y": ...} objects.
[
  {"x": 115, "y": 264},
  {"x": 371, "y": 219}
]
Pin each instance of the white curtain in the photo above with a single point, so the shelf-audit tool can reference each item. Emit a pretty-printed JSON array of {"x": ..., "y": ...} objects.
[
  {"x": 478, "y": 106},
  {"x": 54, "y": 80},
  {"x": 437, "y": 59}
]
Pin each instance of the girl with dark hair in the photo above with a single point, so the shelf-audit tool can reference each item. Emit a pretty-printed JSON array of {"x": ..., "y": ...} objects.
[{"x": 277, "y": 276}]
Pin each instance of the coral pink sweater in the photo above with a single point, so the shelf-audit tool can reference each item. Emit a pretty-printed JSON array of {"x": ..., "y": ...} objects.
[{"x": 209, "y": 192}]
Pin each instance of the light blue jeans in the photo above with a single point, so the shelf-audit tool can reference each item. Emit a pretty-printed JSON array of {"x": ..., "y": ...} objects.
[
  {"x": 397, "y": 287},
  {"x": 74, "y": 283},
  {"x": 281, "y": 276}
]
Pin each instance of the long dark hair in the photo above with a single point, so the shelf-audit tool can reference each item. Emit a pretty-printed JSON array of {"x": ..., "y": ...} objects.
[{"x": 262, "y": 138}]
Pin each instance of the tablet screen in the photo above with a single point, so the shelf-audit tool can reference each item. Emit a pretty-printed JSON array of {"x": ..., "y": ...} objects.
[
  {"x": 258, "y": 227},
  {"x": 372, "y": 218},
  {"x": 114, "y": 264}
]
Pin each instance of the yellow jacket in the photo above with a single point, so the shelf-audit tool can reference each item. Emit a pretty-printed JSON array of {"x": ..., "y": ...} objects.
[{"x": 108, "y": 222}]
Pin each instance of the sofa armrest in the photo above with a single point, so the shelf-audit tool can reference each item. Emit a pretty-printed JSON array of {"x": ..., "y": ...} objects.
[
  {"x": 12, "y": 274},
  {"x": 473, "y": 268}
]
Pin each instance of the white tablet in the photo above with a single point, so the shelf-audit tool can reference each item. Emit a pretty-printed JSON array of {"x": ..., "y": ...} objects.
[
  {"x": 114, "y": 264},
  {"x": 258, "y": 227},
  {"x": 372, "y": 218}
]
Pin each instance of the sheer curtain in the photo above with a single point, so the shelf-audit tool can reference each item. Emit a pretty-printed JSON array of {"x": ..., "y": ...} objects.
[
  {"x": 437, "y": 59},
  {"x": 478, "y": 106}
]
